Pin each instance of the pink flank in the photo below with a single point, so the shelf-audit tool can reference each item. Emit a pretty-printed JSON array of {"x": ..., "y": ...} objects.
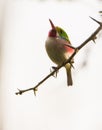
[{"x": 69, "y": 49}]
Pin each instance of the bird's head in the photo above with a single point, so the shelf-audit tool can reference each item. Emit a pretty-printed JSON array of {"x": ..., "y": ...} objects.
[{"x": 52, "y": 32}]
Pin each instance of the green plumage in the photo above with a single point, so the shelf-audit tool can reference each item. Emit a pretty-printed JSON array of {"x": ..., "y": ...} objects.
[{"x": 62, "y": 33}]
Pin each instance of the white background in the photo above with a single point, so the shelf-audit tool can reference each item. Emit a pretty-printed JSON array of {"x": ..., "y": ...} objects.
[{"x": 24, "y": 27}]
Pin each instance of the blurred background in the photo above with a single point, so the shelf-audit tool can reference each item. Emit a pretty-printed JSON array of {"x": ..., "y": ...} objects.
[{"x": 24, "y": 26}]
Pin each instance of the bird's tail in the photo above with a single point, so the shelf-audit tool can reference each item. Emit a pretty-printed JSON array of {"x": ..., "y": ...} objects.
[{"x": 69, "y": 75}]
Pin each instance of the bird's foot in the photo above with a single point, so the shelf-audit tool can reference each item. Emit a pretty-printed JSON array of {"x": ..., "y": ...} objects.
[{"x": 53, "y": 68}]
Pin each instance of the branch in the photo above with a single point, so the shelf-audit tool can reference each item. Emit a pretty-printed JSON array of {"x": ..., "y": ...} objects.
[
  {"x": 93, "y": 35},
  {"x": 76, "y": 50}
]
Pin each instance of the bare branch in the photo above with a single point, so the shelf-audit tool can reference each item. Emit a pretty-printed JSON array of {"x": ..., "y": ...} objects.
[
  {"x": 92, "y": 36},
  {"x": 76, "y": 50}
]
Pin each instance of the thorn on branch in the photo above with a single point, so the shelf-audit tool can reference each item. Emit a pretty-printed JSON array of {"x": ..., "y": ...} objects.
[
  {"x": 94, "y": 38},
  {"x": 19, "y": 92},
  {"x": 96, "y": 21},
  {"x": 72, "y": 65},
  {"x": 35, "y": 90}
]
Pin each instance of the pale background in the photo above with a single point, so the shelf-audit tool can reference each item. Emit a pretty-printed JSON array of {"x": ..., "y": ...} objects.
[{"x": 23, "y": 63}]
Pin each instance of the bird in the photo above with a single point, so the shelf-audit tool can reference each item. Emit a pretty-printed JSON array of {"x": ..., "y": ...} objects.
[{"x": 57, "y": 50}]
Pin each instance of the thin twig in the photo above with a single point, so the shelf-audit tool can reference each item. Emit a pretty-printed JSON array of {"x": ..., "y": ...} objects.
[
  {"x": 35, "y": 88},
  {"x": 91, "y": 37}
]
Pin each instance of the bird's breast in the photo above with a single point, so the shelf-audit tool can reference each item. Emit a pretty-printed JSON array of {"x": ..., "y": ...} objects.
[{"x": 56, "y": 50}]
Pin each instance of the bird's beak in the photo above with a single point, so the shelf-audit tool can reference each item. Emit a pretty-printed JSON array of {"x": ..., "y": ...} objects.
[{"x": 52, "y": 25}]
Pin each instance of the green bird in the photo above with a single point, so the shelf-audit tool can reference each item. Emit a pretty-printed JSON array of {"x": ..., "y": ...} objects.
[{"x": 57, "y": 50}]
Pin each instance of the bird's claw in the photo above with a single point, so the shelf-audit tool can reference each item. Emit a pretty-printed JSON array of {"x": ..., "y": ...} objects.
[{"x": 53, "y": 68}]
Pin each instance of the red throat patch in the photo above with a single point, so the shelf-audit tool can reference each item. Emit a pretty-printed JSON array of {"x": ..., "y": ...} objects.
[{"x": 52, "y": 33}]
